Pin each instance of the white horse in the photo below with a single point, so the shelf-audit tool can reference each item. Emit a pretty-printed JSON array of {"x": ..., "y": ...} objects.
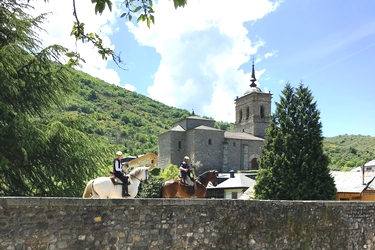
[{"x": 103, "y": 187}]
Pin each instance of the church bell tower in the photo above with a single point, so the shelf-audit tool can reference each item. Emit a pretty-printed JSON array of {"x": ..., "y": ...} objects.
[{"x": 253, "y": 110}]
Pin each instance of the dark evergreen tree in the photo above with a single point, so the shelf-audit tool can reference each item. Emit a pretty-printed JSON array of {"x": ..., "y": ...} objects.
[
  {"x": 38, "y": 156},
  {"x": 293, "y": 164}
]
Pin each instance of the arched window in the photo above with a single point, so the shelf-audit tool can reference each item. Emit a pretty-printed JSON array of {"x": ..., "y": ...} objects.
[
  {"x": 247, "y": 113},
  {"x": 254, "y": 164},
  {"x": 261, "y": 112},
  {"x": 240, "y": 116}
]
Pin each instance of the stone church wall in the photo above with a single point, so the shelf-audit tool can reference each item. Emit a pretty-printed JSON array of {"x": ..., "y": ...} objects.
[
  {"x": 202, "y": 152},
  {"x": 153, "y": 224},
  {"x": 168, "y": 148}
]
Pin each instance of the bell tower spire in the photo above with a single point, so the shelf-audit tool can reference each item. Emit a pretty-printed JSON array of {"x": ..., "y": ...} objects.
[
  {"x": 253, "y": 79},
  {"x": 253, "y": 110}
]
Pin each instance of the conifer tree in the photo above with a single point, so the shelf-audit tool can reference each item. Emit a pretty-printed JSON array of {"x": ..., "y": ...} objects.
[
  {"x": 38, "y": 156},
  {"x": 293, "y": 165}
]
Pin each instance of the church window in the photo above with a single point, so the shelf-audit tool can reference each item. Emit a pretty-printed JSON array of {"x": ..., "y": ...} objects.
[
  {"x": 247, "y": 113},
  {"x": 261, "y": 112},
  {"x": 179, "y": 144},
  {"x": 240, "y": 116},
  {"x": 254, "y": 164},
  {"x": 209, "y": 141},
  {"x": 234, "y": 144}
]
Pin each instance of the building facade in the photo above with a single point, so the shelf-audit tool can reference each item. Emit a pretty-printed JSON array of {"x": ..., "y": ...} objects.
[{"x": 211, "y": 148}]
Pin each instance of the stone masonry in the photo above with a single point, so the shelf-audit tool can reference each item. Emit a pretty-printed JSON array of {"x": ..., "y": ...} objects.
[{"x": 74, "y": 223}]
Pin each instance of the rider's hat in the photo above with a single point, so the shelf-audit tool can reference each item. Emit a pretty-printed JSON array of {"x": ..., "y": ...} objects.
[
  {"x": 186, "y": 158},
  {"x": 119, "y": 153}
]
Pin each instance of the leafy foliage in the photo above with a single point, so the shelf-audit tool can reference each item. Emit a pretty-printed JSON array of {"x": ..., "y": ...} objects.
[
  {"x": 170, "y": 173},
  {"x": 293, "y": 165},
  {"x": 153, "y": 188},
  {"x": 349, "y": 151},
  {"x": 38, "y": 156},
  {"x": 144, "y": 10},
  {"x": 129, "y": 121}
]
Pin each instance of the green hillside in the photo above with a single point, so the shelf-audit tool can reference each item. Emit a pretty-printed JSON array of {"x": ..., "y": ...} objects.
[
  {"x": 349, "y": 151},
  {"x": 127, "y": 119}
]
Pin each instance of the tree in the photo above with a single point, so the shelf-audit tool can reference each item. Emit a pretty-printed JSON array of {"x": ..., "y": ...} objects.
[
  {"x": 38, "y": 156},
  {"x": 153, "y": 188},
  {"x": 293, "y": 164},
  {"x": 170, "y": 173}
]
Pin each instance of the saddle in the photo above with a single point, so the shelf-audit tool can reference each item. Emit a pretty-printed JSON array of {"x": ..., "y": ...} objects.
[
  {"x": 182, "y": 182},
  {"x": 115, "y": 180}
]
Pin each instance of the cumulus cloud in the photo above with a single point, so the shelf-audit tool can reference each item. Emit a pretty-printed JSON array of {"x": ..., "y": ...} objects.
[
  {"x": 270, "y": 54},
  {"x": 129, "y": 87},
  {"x": 59, "y": 25},
  {"x": 202, "y": 47}
]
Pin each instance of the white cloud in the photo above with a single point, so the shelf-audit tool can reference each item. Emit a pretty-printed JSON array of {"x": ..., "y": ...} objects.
[
  {"x": 270, "y": 54},
  {"x": 59, "y": 25},
  {"x": 202, "y": 47},
  {"x": 129, "y": 87}
]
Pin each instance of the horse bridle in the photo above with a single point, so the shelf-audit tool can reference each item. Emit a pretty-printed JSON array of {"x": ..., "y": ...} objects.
[{"x": 146, "y": 180}]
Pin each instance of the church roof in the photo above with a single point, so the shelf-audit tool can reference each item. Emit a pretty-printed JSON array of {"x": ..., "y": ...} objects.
[
  {"x": 197, "y": 118},
  {"x": 241, "y": 136},
  {"x": 202, "y": 127},
  {"x": 177, "y": 128}
]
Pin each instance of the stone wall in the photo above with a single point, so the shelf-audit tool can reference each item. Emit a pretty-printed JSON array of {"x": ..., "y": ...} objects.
[{"x": 74, "y": 223}]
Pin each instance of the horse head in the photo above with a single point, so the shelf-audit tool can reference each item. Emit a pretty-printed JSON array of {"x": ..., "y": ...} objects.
[
  {"x": 208, "y": 176},
  {"x": 212, "y": 178},
  {"x": 140, "y": 173}
]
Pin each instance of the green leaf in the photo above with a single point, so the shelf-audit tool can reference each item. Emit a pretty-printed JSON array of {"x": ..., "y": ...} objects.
[
  {"x": 70, "y": 54},
  {"x": 140, "y": 18},
  {"x": 99, "y": 7},
  {"x": 179, "y": 3},
  {"x": 109, "y": 4},
  {"x": 137, "y": 9}
]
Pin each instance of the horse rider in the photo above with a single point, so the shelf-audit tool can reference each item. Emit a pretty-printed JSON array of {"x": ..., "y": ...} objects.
[
  {"x": 119, "y": 173},
  {"x": 185, "y": 174}
]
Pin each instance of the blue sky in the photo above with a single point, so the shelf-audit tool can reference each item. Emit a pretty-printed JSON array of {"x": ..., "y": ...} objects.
[{"x": 199, "y": 57}]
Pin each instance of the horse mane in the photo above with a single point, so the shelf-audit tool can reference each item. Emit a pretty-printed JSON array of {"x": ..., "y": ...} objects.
[
  {"x": 204, "y": 175},
  {"x": 137, "y": 170}
]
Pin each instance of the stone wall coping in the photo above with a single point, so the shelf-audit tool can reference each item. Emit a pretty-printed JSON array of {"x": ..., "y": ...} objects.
[{"x": 68, "y": 201}]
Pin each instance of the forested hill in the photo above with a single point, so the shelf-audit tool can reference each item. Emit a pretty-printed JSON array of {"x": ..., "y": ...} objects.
[
  {"x": 129, "y": 120},
  {"x": 132, "y": 122},
  {"x": 349, "y": 151}
]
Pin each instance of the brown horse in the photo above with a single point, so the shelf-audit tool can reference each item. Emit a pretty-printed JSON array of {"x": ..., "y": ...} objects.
[{"x": 173, "y": 188}]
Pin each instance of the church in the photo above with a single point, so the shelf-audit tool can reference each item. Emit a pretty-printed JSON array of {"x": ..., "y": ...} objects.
[{"x": 211, "y": 148}]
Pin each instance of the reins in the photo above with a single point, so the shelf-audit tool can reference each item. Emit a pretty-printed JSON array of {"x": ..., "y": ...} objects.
[{"x": 133, "y": 175}]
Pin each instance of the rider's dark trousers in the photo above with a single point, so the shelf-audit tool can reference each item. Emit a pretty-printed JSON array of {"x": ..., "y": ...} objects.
[{"x": 124, "y": 180}]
